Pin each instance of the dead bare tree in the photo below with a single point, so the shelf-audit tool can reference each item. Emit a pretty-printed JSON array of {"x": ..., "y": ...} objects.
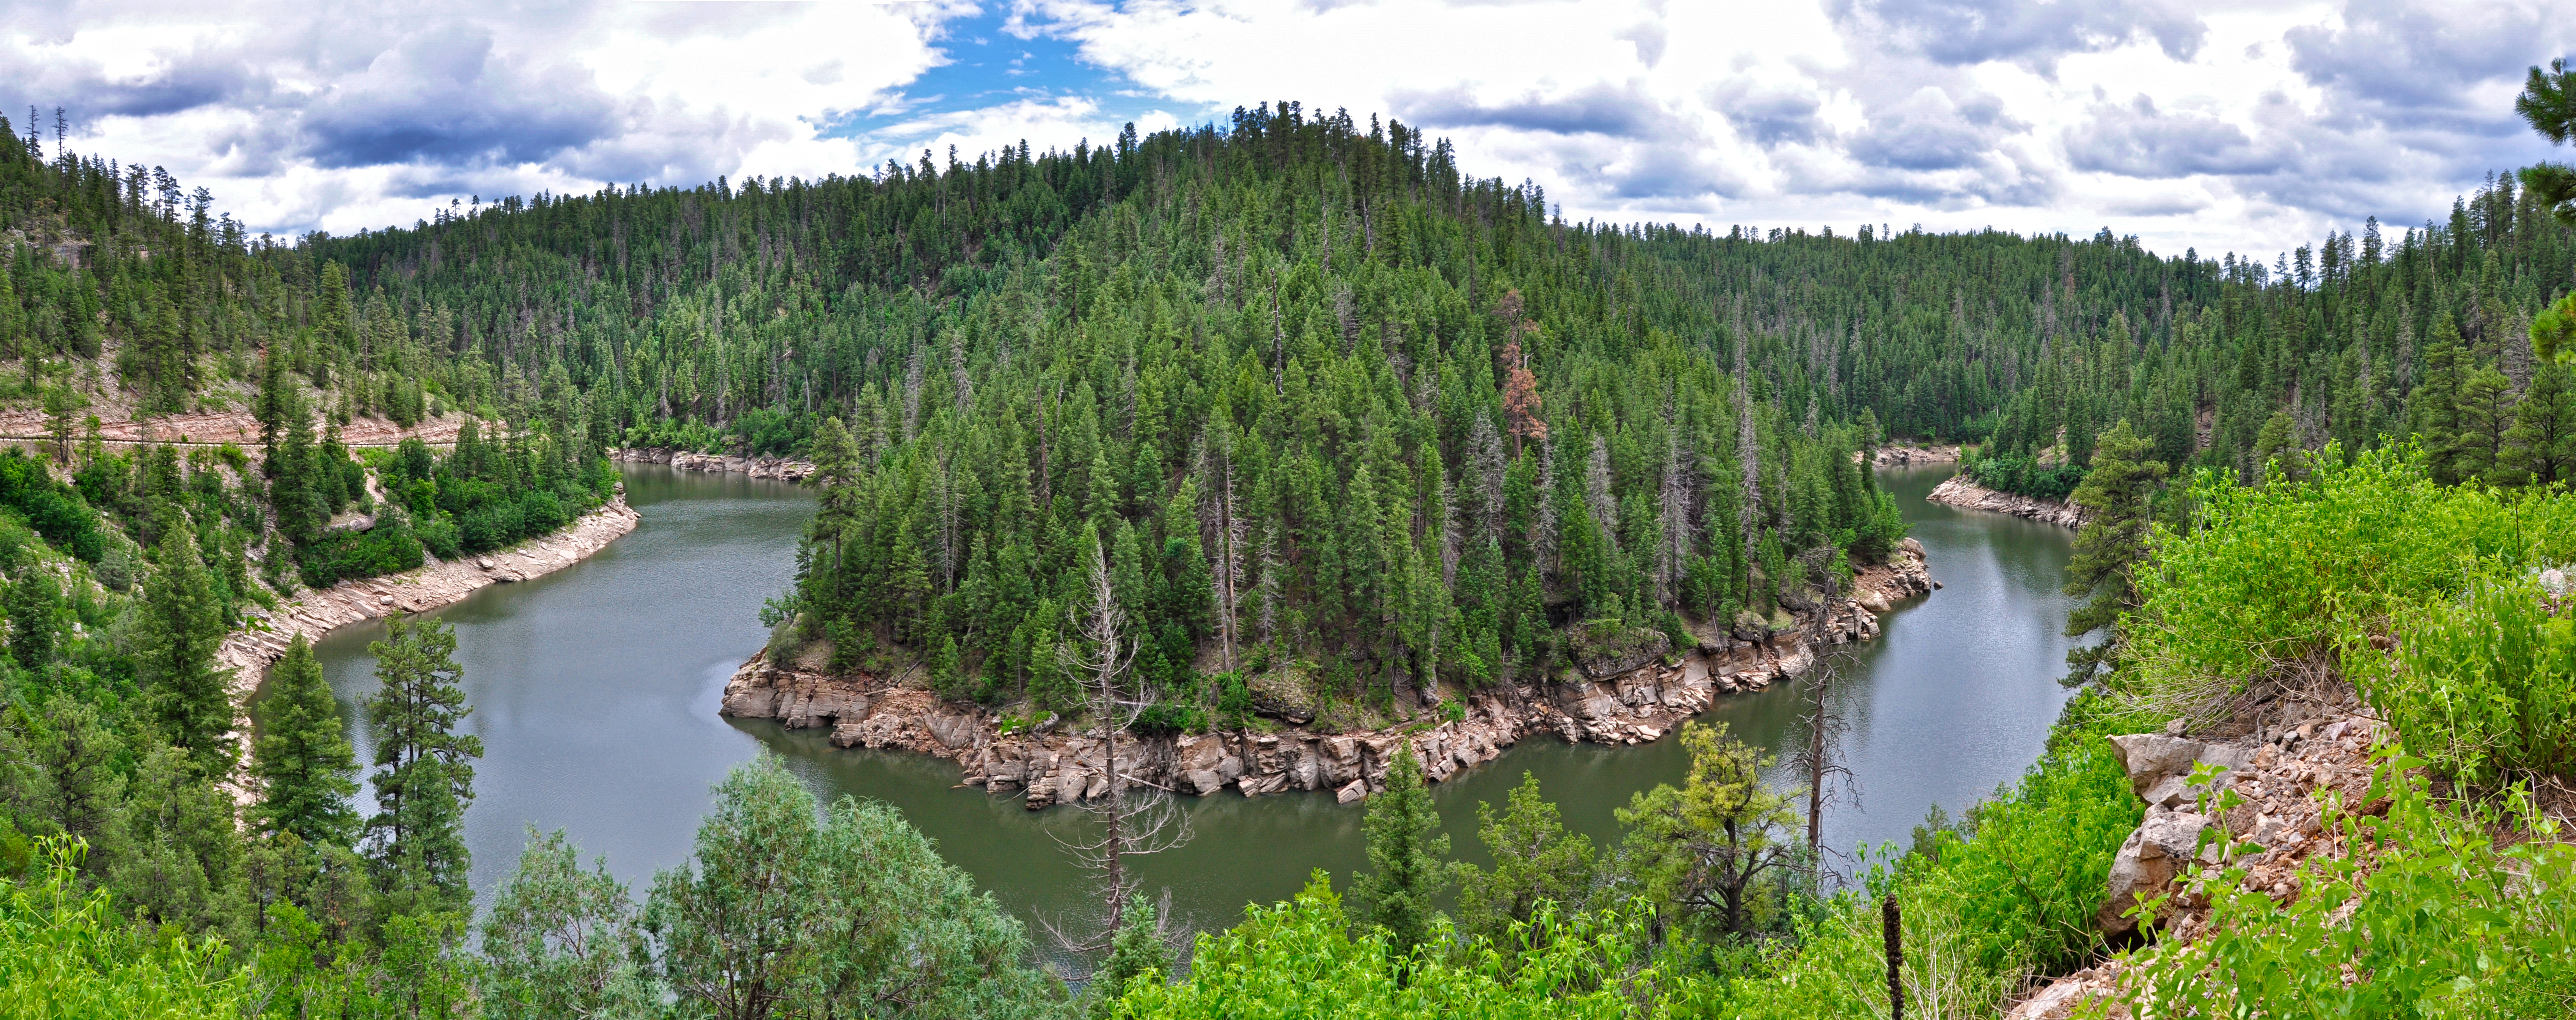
[
  {"x": 1829, "y": 778},
  {"x": 1130, "y": 825}
]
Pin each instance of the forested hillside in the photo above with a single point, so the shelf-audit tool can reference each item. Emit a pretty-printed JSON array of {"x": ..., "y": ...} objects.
[{"x": 1324, "y": 405}]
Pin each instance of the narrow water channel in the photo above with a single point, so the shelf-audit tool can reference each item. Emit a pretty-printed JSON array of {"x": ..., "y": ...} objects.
[{"x": 595, "y": 691}]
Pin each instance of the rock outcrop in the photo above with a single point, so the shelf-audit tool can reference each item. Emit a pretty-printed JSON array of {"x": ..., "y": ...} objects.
[
  {"x": 1960, "y": 491},
  {"x": 2284, "y": 777},
  {"x": 779, "y": 468},
  {"x": 1645, "y": 690},
  {"x": 2168, "y": 839},
  {"x": 1908, "y": 455}
]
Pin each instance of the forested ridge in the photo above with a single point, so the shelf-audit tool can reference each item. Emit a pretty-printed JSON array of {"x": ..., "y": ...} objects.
[{"x": 1301, "y": 398}]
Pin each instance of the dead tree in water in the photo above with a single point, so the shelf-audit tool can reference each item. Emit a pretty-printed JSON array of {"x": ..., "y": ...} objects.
[{"x": 1130, "y": 826}]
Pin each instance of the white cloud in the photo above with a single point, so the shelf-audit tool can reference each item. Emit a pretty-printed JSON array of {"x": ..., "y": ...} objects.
[{"x": 2247, "y": 126}]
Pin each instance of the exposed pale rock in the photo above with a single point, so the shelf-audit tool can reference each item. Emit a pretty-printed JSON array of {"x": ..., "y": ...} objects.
[{"x": 1959, "y": 491}]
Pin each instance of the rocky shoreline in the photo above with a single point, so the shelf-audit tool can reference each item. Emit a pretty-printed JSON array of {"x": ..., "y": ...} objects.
[
  {"x": 1635, "y": 699},
  {"x": 1913, "y": 455},
  {"x": 779, "y": 468},
  {"x": 1960, "y": 491},
  {"x": 264, "y": 637}
]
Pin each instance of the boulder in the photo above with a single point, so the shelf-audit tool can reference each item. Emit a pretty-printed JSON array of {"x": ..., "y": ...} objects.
[
  {"x": 1870, "y": 599},
  {"x": 1355, "y": 790},
  {"x": 2148, "y": 861},
  {"x": 2160, "y": 765},
  {"x": 952, "y": 731}
]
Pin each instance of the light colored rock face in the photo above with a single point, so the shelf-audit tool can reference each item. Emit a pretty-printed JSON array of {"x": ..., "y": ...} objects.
[
  {"x": 2160, "y": 768},
  {"x": 2277, "y": 823},
  {"x": 758, "y": 467},
  {"x": 1909, "y": 454},
  {"x": 1644, "y": 702},
  {"x": 1960, "y": 492}
]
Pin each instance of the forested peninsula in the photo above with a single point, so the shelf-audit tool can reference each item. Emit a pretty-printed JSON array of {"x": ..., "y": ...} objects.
[{"x": 1289, "y": 430}]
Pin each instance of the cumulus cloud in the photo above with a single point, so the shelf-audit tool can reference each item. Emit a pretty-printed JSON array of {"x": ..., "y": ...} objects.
[
  {"x": 2247, "y": 126},
  {"x": 2033, "y": 32}
]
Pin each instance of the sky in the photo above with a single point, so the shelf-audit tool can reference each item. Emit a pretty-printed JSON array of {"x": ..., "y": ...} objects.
[{"x": 2250, "y": 126}]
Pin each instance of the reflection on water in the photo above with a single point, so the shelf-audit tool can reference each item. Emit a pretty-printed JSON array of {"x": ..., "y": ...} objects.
[{"x": 595, "y": 693}]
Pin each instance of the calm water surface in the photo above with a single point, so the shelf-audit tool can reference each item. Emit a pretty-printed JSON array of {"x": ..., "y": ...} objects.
[{"x": 595, "y": 691}]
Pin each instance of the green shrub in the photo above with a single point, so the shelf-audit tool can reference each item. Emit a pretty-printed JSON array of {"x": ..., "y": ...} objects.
[
  {"x": 52, "y": 508},
  {"x": 2483, "y": 684},
  {"x": 2295, "y": 572},
  {"x": 2014, "y": 898},
  {"x": 1300, "y": 959},
  {"x": 66, "y": 953},
  {"x": 374, "y": 552},
  {"x": 2020, "y": 474}
]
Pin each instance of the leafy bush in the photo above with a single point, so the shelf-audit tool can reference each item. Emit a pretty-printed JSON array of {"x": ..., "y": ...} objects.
[
  {"x": 764, "y": 431},
  {"x": 2483, "y": 684},
  {"x": 1168, "y": 719},
  {"x": 438, "y": 534},
  {"x": 1300, "y": 959},
  {"x": 68, "y": 954},
  {"x": 52, "y": 508},
  {"x": 1983, "y": 914},
  {"x": 375, "y": 552},
  {"x": 2295, "y": 572}
]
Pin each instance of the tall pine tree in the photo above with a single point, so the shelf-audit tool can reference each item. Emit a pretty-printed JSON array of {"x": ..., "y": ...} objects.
[
  {"x": 424, "y": 775},
  {"x": 1404, "y": 850},
  {"x": 306, "y": 770},
  {"x": 191, "y": 698},
  {"x": 2116, "y": 497}
]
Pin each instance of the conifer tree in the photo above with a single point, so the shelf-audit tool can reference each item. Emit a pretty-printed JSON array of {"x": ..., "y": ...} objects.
[
  {"x": 2116, "y": 497},
  {"x": 301, "y": 756},
  {"x": 1705, "y": 846},
  {"x": 2485, "y": 414},
  {"x": 2541, "y": 448},
  {"x": 35, "y": 616},
  {"x": 2548, "y": 104},
  {"x": 1137, "y": 950},
  {"x": 1536, "y": 860},
  {"x": 424, "y": 777},
  {"x": 1400, "y": 891},
  {"x": 191, "y": 697}
]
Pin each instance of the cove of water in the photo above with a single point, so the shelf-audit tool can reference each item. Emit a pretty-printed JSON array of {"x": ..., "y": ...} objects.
[{"x": 595, "y": 691}]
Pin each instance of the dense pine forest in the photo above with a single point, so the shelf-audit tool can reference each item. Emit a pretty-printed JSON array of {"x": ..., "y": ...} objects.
[{"x": 1328, "y": 411}]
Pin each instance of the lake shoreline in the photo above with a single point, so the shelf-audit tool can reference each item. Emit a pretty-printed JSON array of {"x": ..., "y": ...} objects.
[
  {"x": 1619, "y": 702},
  {"x": 1959, "y": 491},
  {"x": 249, "y": 650},
  {"x": 774, "y": 468}
]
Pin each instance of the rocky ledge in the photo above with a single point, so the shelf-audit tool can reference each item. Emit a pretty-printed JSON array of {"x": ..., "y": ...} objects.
[
  {"x": 1621, "y": 699},
  {"x": 1959, "y": 491},
  {"x": 1913, "y": 455},
  {"x": 265, "y": 635},
  {"x": 758, "y": 467},
  {"x": 2282, "y": 774}
]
